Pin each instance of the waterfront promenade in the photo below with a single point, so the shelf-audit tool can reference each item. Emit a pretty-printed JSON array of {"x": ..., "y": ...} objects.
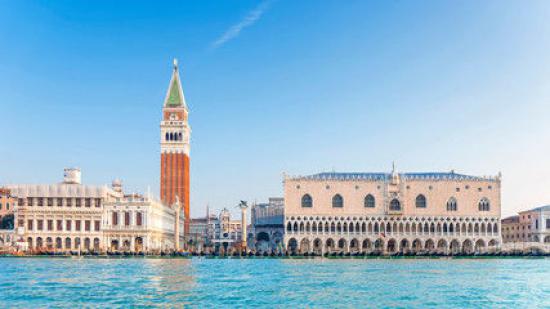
[{"x": 507, "y": 250}]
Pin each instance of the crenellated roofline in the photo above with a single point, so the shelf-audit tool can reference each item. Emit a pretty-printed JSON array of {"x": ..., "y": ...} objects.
[{"x": 387, "y": 176}]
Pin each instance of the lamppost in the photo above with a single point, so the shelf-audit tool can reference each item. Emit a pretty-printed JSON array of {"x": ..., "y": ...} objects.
[{"x": 243, "y": 206}]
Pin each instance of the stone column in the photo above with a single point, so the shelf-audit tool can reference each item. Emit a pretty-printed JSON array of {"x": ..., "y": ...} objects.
[
  {"x": 243, "y": 207},
  {"x": 177, "y": 229}
]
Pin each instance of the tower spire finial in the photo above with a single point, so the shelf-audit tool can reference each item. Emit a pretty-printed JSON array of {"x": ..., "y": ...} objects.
[{"x": 175, "y": 63}]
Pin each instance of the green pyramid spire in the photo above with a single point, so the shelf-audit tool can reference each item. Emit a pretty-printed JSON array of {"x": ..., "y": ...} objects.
[{"x": 174, "y": 97}]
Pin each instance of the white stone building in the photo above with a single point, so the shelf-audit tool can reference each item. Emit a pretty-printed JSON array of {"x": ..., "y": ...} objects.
[
  {"x": 70, "y": 216},
  {"x": 61, "y": 217},
  {"x": 136, "y": 223},
  {"x": 392, "y": 212},
  {"x": 227, "y": 232}
]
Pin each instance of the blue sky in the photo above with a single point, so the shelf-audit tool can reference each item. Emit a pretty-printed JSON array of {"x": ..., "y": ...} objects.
[{"x": 280, "y": 86}]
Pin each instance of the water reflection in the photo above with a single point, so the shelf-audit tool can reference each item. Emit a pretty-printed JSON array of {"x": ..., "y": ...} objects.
[{"x": 169, "y": 279}]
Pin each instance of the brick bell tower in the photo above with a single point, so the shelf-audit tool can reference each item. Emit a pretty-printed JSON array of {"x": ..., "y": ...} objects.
[{"x": 174, "y": 147}]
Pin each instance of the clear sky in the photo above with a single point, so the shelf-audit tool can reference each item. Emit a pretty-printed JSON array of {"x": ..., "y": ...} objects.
[{"x": 282, "y": 86}]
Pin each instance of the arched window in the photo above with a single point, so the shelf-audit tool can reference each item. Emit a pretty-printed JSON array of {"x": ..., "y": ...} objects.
[
  {"x": 337, "y": 201},
  {"x": 139, "y": 219},
  {"x": 370, "y": 202},
  {"x": 307, "y": 201},
  {"x": 420, "y": 201},
  {"x": 451, "y": 204},
  {"x": 171, "y": 136},
  {"x": 395, "y": 205},
  {"x": 484, "y": 204},
  {"x": 341, "y": 243},
  {"x": 96, "y": 244},
  {"x": 180, "y": 137},
  {"x": 167, "y": 136}
]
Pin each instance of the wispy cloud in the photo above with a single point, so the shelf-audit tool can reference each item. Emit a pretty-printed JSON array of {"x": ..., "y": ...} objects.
[{"x": 250, "y": 19}]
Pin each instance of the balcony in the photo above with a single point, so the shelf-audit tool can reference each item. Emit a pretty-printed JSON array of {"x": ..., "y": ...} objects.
[{"x": 394, "y": 212}]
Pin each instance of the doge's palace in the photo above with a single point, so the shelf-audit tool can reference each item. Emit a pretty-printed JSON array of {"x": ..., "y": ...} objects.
[{"x": 392, "y": 212}]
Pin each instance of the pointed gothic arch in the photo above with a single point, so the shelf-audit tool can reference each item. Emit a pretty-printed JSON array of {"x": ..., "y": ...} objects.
[
  {"x": 337, "y": 201},
  {"x": 421, "y": 201}
]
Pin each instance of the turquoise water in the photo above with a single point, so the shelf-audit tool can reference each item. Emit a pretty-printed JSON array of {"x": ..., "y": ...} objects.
[{"x": 46, "y": 282}]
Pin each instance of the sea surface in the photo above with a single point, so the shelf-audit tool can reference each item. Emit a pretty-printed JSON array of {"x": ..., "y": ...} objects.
[{"x": 280, "y": 283}]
